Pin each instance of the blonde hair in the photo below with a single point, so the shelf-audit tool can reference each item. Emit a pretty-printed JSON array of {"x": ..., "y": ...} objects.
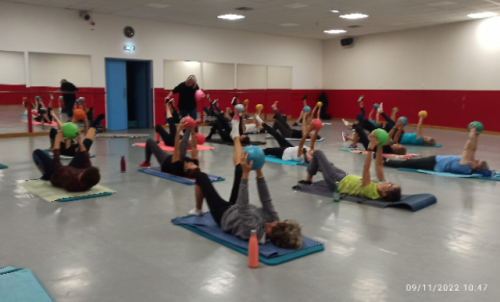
[{"x": 287, "y": 235}]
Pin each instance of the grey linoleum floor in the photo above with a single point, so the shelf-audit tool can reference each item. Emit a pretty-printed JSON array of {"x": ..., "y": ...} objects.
[{"x": 124, "y": 248}]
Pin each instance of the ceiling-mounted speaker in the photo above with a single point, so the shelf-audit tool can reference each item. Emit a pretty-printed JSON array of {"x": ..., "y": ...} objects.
[
  {"x": 346, "y": 41},
  {"x": 129, "y": 32}
]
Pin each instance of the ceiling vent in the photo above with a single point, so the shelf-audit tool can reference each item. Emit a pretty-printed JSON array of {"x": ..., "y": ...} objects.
[{"x": 244, "y": 9}]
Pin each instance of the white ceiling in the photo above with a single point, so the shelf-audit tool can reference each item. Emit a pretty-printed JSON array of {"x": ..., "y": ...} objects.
[{"x": 268, "y": 15}]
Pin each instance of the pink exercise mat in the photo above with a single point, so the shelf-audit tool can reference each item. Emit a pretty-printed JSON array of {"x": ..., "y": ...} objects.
[
  {"x": 171, "y": 149},
  {"x": 53, "y": 124}
]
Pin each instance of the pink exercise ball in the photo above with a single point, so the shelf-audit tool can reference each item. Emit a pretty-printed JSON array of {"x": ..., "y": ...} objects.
[
  {"x": 188, "y": 122},
  {"x": 317, "y": 124},
  {"x": 198, "y": 95},
  {"x": 200, "y": 138}
]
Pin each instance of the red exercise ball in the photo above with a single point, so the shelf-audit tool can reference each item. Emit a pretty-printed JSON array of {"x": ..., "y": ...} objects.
[
  {"x": 79, "y": 114},
  {"x": 198, "y": 95},
  {"x": 200, "y": 138},
  {"x": 188, "y": 122},
  {"x": 317, "y": 124},
  {"x": 34, "y": 113}
]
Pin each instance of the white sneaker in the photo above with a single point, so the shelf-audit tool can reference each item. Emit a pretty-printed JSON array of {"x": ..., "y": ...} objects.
[
  {"x": 233, "y": 101},
  {"x": 235, "y": 132},
  {"x": 344, "y": 137},
  {"x": 196, "y": 212},
  {"x": 346, "y": 123},
  {"x": 214, "y": 102},
  {"x": 380, "y": 109},
  {"x": 259, "y": 120},
  {"x": 361, "y": 99}
]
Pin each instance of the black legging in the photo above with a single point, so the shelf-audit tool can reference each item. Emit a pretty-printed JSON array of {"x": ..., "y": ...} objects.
[
  {"x": 222, "y": 126},
  {"x": 168, "y": 138},
  {"x": 71, "y": 151},
  {"x": 213, "y": 110},
  {"x": 284, "y": 144},
  {"x": 47, "y": 163},
  {"x": 41, "y": 112},
  {"x": 424, "y": 163},
  {"x": 281, "y": 125},
  {"x": 215, "y": 203},
  {"x": 175, "y": 116}
]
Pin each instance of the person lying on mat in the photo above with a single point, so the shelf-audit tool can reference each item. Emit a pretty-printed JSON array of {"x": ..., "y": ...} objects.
[
  {"x": 353, "y": 184},
  {"x": 370, "y": 125},
  {"x": 236, "y": 216},
  {"x": 286, "y": 150},
  {"x": 465, "y": 164},
  {"x": 176, "y": 163},
  {"x": 255, "y": 126},
  {"x": 414, "y": 138},
  {"x": 67, "y": 147},
  {"x": 44, "y": 114},
  {"x": 214, "y": 109},
  {"x": 281, "y": 125},
  {"x": 361, "y": 136},
  {"x": 79, "y": 175},
  {"x": 222, "y": 127}
]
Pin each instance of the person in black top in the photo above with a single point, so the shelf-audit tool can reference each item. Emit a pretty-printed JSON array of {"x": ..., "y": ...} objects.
[
  {"x": 187, "y": 101},
  {"x": 68, "y": 92},
  {"x": 281, "y": 125},
  {"x": 176, "y": 163}
]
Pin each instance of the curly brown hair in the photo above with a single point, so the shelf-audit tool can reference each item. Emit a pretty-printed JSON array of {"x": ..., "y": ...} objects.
[
  {"x": 287, "y": 235},
  {"x": 399, "y": 151},
  {"x": 91, "y": 177}
]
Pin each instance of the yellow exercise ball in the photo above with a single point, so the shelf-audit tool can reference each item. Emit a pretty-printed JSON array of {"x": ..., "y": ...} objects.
[
  {"x": 259, "y": 107},
  {"x": 422, "y": 114},
  {"x": 319, "y": 104}
]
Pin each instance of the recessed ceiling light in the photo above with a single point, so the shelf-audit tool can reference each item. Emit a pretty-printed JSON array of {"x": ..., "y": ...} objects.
[
  {"x": 335, "y": 31},
  {"x": 296, "y": 5},
  {"x": 288, "y": 24},
  {"x": 157, "y": 5},
  {"x": 231, "y": 17},
  {"x": 482, "y": 15},
  {"x": 334, "y": 11},
  {"x": 354, "y": 16}
]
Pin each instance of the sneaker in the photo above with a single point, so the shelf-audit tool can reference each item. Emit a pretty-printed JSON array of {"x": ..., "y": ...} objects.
[
  {"x": 259, "y": 120},
  {"x": 305, "y": 97},
  {"x": 145, "y": 165},
  {"x": 344, "y": 137},
  {"x": 304, "y": 182},
  {"x": 361, "y": 99},
  {"x": 346, "y": 123},
  {"x": 380, "y": 109},
  {"x": 196, "y": 212},
  {"x": 233, "y": 102},
  {"x": 215, "y": 102}
]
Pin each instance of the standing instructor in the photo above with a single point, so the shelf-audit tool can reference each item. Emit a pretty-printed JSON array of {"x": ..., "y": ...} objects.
[
  {"x": 187, "y": 100},
  {"x": 68, "y": 93}
]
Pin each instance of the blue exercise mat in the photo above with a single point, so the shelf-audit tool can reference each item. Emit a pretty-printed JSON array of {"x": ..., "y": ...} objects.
[
  {"x": 19, "y": 285},
  {"x": 473, "y": 176},
  {"x": 410, "y": 202},
  {"x": 273, "y": 159},
  {"x": 268, "y": 253},
  {"x": 429, "y": 146},
  {"x": 61, "y": 157},
  {"x": 183, "y": 180},
  {"x": 297, "y": 139},
  {"x": 3, "y": 166}
]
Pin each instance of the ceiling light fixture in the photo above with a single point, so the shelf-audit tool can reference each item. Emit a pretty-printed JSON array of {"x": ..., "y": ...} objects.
[
  {"x": 231, "y": 17},
  {"x": 482, "y": 15},
  {"x": 354, "y": 16},
  {"x": 335, "y": 31},
  {"x": 334, "y": 11}
]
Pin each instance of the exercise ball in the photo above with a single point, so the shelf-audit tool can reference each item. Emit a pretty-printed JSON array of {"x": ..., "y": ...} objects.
[
  {"x": 198, "y": 95},
  {"x": 259, "y": 107},
  {"x": 479, "y": 126},
  {"x": 375, "y": 106},
  {"x": 422, "y": 114},
  {"x": 188, "y": 122},
  {"x": 404, "y": 119},
  {"x": 79, "y": 114},
  {"x": 37, "y": 98},
  {"x": 200, "y": 138},
  {"x": 382, "y": 136},
  {"x": 34, "y": 113},
  {"x": 70, "y": 130},
  {"x": 307, "y": 109},
  {"x": 319, "y": 104},
  {"x": 245, "y": 102},
  {"x": 317, "y": 124},
  {"x": 240, "y": 108},
  {"x": 257, "y": 155}
]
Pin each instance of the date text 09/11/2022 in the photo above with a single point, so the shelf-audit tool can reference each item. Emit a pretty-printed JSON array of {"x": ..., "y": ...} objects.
[{"x": 446, "y": 287}]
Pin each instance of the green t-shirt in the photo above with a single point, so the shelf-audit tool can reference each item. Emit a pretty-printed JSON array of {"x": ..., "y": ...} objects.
[{"x": 353, "y": 185}]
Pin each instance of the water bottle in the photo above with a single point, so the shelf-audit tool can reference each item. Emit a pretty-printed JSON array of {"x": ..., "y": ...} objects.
[
  {"x": 122, "y": 164},
  {"x": 336, "y": 193},
  {"x": 253, "y": 250}
]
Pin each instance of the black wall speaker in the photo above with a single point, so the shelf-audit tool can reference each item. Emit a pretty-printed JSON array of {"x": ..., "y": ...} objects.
[{"x": 346, "y": 41}]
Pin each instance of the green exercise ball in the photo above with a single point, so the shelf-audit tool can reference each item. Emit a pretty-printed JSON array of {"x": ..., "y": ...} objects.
[
  {"x": 479, "y": 126},
  {"x": 382, "y": 136},
  {"x": 70, "y": 130}
]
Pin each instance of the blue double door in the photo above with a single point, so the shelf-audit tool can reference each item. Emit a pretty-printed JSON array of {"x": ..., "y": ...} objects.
[{"x": 129, "y": 102}]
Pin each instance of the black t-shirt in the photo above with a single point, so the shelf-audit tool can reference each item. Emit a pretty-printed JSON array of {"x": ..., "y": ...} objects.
[
  {"x": 386, "y": 149},
  {"x": 187, "y": 100},
  {"x": 176, "y": 168},
  {"x": 68, "y": 87},
  {"x": 296, "y": 133}
]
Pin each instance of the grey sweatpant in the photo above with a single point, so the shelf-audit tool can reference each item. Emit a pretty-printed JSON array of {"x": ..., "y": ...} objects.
[
  {"x": 160, "y": 155},
  {"x": 331, "y": 174}
]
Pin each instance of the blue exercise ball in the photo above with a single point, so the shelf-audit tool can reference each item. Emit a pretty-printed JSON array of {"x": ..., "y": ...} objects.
[
  {"x": 240, "y": 108},
  {"x": 404, "y": 119},
  {"x": 307, "y": 109},
  {"x": 257, "y": 155},
  {"x": 375, "y": 106}
]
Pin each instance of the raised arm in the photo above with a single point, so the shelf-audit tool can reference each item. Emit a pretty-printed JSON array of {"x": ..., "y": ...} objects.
[
  {"x": 419, "y": 127},
  {"x": 265, "y": 197},
  {"x": 305, "y": 133},
  {"x": 368, "y": 159},
  {"x": 394, "y": 129},
  {"x": 194, "y": 144},
  {"x": 379, "y": 164},
  {"x": 54, "y": 117},
  {"x": 470, "y": 147},
  {"x": 397, "y": 138},
  {"x": 177, "y": 143}
]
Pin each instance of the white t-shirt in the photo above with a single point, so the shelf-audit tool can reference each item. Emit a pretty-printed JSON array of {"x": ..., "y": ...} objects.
[
  {"x": 290, "y": 153},
  {"x": 251, "y": 128}
]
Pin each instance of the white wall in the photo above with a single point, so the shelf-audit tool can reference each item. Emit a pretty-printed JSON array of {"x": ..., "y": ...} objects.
[
  {"x": 176, "y": 72},
  {"x": 458, "y": 56},
  {"x": 251, "y": 76},
  {"x": 279, "y": 77},
  {"x": 52, "y": 30},
  {"x": 49, "y": 69},
  {"x": 218, "y": 76},
  {"x": 12, "y": 68}
]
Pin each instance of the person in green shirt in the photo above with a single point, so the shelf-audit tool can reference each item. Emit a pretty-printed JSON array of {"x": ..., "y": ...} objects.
[{"x": 354, "y": 185}]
